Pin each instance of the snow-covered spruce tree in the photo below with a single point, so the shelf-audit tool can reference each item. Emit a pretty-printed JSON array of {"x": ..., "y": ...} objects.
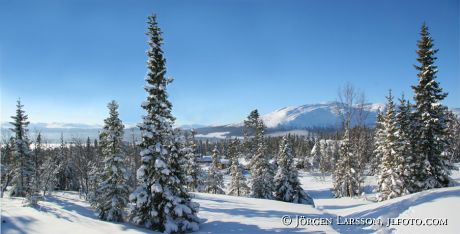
[
  {"x": 287, "y": 185},
  {"x": 155, "y": 203},
  {"x": 261, "y": 169},
  {"x": 431, "y": 129},
  {"x": 453, "y": 126},
  {"x": 405, "y": 144},
  {"x": 391, "y": 178},
  {"x": 195, "y": 177},
  {"x": 215, "y": 180},
  {"x": 37, "y": 162},
  {"x": 184, "y": 214},
  {"x": 62, "y": 168},
  {"x": 238, "y": 185},
  {"x": 347, "y": 180},
  {"x": 23, "y": 168},
  {"x": 112, "y": 194},
  {"x": 325, "y": 161},
  {"x": 379, "y": 137},
  {"x": 316, "y": 153}
]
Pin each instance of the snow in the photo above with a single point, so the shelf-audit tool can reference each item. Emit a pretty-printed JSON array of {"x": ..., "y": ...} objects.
[
  {"x": 66, "y": 211},
  {"x": 220, "y": 135},
  {"x": 313, "y": 115}
]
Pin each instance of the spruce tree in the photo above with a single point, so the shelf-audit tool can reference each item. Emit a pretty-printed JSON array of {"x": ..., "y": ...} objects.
[
  {"x": 215, "y": 180},
  {"x": 112, "y": 193},
  {"x": 347, "y": 180},
  {"x": 316, "y": 153},
  {"x": 379, "y": 137},
  {"x": 195, "y": 177},
  {"x": 157, "y": 203},
  {"x": 391, "y": 180},
  {"x": 431, "y": 128},
  {"x": 453, "y": 148},
  {"x": 23, "y": 169},
  {"x": 261, "y": 169},
  {"x": 238, "y": 186},
  {"x": 287, "y": 184},
  {"x": 38, "y": 160},
  {"x": 405, "y": 144}
]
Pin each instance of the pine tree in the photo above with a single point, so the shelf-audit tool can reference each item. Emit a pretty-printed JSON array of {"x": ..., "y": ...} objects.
[
  {"x": 261, "y": 169},
  {"x": 112, "y": 193},
  {"x": 431, "y": 128},
  {"x": 215, "y": 180},
  {"x": 250, "y": 129},
  {"x": 238, "y": 186},
  {"x": 193, "y": 170},
  {"x": 287, "y": 185},
  {"x": 156, "y": 203},
  {"x": 23, "y": 169},
  {"x": 391, "y": 178},
  {"x": 347, "y": 180}
]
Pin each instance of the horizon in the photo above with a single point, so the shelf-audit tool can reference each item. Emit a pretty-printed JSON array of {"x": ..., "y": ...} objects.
[{"x": 81, "y": 56}]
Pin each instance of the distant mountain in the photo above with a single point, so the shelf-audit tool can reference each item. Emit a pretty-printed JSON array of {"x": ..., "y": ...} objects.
[
  {"x": 316, "y": 115},
  {"x": 297, "y": 120},
  {"x": 192, "y": 126},
  {"x": 287, "y": 119}
]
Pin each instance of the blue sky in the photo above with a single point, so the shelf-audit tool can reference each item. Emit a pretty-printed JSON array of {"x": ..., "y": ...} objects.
[{"x": 67, "y": 59}]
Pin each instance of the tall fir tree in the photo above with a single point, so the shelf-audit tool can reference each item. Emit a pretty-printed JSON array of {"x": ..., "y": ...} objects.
[
  {"x": 156, "y": 203},
  {"x": 430, "y": 121},
  {"x": 391, "y": 178},
  {"x": 347, "y": 180},
  {"x": 238, "y": 185},
  {"x": 261, "y": 169},
  {"x": 112, "y": 193},
  {"x": 287, "y": 184},
  {"x": 23, "y": 168},
  {"x": 215, "y": 180}
]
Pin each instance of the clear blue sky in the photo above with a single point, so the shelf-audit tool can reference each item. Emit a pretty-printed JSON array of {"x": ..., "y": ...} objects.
[{"x": 68, "y": 59}]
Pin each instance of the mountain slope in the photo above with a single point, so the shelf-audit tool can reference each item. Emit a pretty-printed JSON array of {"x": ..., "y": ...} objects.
[{"x": 316, "y": 115}]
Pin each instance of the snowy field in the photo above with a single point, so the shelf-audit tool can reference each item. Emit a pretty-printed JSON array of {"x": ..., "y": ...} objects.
[{"x": 65, "y": 212}]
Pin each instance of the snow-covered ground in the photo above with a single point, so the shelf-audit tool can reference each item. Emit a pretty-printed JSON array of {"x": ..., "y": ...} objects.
[{"x": 65, "y": 212}]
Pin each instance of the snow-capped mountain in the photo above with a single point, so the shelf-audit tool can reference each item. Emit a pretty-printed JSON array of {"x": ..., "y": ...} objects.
[
  {"x": 289, "y": 119},
  {"x": 317, "y": 115}
]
